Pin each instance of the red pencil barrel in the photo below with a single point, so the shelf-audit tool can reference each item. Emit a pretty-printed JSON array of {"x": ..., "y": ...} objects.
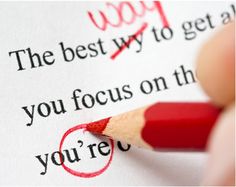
[{"x": 179, "y": 126}]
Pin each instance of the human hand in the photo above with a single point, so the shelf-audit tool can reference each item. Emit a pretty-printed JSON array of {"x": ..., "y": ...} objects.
[{"x": 216, "y": 73}]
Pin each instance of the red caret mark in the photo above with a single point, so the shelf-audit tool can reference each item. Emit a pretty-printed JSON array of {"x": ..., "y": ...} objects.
[
  {"x": 115, "y": 54},
  {"x": 119, "y": 10},
  {"x": 83, "y": 127}
]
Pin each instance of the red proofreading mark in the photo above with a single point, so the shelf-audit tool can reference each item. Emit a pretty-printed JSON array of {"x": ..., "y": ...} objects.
[
  {"x": 120, "y": 11},
  {"x": 120, "y": 19},
  {"x": 162, "y": 14},
  {"x": 83, "y": 174},
  {"x": 131, "y": 39}
]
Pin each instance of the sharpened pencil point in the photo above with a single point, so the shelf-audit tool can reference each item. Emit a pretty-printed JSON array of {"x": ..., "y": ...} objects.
[{"x": 98, "y": 126}]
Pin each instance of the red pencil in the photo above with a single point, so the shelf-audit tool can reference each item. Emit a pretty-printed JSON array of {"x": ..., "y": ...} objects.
[{"x": 168, "y": 126}]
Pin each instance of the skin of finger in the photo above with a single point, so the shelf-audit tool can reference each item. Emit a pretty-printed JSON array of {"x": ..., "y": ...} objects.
[
  {"x": 216, "y": 66},
  {"x": 220, "y": 169}
]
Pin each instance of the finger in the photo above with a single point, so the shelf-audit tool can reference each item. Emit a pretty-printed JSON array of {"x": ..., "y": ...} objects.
[
  {"x": 216, "y": 66},
  {"x": 220, "y": 167}
]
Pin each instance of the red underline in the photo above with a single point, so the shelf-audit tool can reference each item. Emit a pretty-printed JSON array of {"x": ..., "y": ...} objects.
[{"x": 131, "y": 39}]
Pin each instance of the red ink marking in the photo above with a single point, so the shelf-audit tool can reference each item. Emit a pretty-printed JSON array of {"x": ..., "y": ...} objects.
[
  {"x": 162, "y": 14},
  {"x": 179, "y": 125},
  {"x": 83, "y": 174},
  {"x": 119, "y": 10},
  {"x": 131, "y": 39}
]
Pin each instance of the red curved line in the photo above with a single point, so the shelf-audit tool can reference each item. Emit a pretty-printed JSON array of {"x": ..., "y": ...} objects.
[
  {"x": 104, "y": 26},
  {"x": 83, "y": 174}
]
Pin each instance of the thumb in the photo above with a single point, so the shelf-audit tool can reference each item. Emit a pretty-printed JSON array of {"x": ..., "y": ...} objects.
[{"x": 220, "y": 167}]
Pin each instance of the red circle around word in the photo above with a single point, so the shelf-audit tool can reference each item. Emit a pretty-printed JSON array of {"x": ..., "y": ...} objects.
[{"x": 83, "y": 174}]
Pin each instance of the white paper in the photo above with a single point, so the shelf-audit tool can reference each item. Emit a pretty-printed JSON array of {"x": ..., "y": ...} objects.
[{"x": 41, "y": 26}]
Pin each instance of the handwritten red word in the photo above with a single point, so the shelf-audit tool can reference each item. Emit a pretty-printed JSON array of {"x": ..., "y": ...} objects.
[{"x": 120, "y": 10}]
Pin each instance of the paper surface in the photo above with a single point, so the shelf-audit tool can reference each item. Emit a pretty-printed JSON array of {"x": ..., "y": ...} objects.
[{"x": 45, "y": 94}]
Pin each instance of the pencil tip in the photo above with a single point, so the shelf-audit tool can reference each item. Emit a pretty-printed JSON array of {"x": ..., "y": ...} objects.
[{"x": 97, "y": 126}]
